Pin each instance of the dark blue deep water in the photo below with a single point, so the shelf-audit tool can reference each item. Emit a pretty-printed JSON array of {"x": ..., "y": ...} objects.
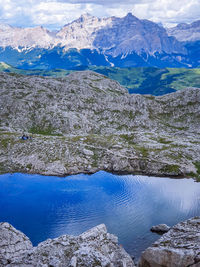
[{"x": 47, "y": 207}]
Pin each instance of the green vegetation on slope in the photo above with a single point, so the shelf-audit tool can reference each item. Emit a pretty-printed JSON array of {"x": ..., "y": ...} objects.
[
  {"x": 149, "y": 80},
  {"x": 181, "y": 78},
  {"x": 57, "y": 73},
  {"x": 142, "y": 80}
]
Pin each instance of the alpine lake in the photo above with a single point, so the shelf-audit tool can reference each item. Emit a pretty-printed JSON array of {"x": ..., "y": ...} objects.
[{"x": 129, "y": 205}]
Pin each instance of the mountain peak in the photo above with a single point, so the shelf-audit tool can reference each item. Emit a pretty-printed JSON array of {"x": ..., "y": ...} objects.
[
  {"x": 130, "y": 16},
  {"x": 86, "y": 15}
]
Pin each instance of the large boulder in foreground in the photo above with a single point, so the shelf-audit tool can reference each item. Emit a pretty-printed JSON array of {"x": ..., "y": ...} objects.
[
  {"x": 95, "y": 247},
  {"x": 13, "y": 244},
  {"x": 180, "y": 247}
]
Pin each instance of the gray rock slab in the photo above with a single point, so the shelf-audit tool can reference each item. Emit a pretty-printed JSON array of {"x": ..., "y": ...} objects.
[{"x": 180, "y": 247}]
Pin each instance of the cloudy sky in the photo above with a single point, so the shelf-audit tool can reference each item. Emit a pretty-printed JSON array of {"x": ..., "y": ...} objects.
[{"x": 53, "y": 14}]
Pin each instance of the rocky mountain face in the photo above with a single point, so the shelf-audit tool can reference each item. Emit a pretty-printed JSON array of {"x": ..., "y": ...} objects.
[
  {"x": 129, "y": 34},
  {"x": 81, "y": 33},
  {"x": 89, "y": 40},
  {"x": 25, "y": 38},
  {"x": 96, "y": 247},
  {"x": 113, "y": 35},
  {"x": 118, "y": 36},
  {"x": 87, "y": 122},
  {"x": 184, "y": 32}
]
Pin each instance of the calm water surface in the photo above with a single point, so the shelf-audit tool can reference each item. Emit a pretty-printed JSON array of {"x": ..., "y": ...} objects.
[{"x": 47, "y": 207}]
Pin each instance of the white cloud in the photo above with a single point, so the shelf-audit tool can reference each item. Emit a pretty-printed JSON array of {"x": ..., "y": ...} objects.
[
  {"x": 169, "y": 12},
  {"x": 56, "y": 13}
]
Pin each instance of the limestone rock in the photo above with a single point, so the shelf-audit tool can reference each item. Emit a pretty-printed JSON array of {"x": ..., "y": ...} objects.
[
  {"x": 160, "y": 228},
  {"x": 95, "y": 247},
  {"x": 87, "y": 122},
  {"x": 13, "y": 243},
  {"x": 180, "y": 247}
]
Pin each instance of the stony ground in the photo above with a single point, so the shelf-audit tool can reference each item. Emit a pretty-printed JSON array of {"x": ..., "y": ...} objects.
[{"x": 87, "y": 122}]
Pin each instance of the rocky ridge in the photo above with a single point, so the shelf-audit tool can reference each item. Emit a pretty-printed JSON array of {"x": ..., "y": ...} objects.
[
  {"x": 95, "y": 247},
  {"x": 26, "y": 38},
  {"x": 184, "y": 32},
  {"x": 87, "y": 122}
]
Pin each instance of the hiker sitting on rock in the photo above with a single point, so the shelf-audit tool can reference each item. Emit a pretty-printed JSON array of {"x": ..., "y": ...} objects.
[{"x": 24, "y": 137}]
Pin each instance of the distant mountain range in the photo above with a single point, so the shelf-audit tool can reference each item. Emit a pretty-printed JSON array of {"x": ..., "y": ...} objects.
[
  {"x": 184, "y": 32},
  {"x": 120, "y": 42}
]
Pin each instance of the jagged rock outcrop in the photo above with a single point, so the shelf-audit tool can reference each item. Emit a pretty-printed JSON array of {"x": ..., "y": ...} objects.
[
  {"x": 12, "y": 243},
  {"x": 87, "y": 122},
  {"x": 93, "y": 248},
  {"x": 180, "y": 247}
]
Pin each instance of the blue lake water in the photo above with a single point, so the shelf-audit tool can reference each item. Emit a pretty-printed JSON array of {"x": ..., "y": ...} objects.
[{"x": 47, "y": 207}]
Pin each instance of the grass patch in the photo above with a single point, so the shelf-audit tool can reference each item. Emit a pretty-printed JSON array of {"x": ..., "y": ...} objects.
[
  {"x": 44, "y": 131},
  {"x": 29, "y": 166},
  {"x": 164, "y": 141},
  {"x": 2, "y": 168},
  {"x": 197, "y": 165},
  {"x": 95, "y": 158},
  {"x": 90, "y": 100},
  {"x": 5, "y": 142},
  {"x": 76, "y": 138},
  {"x": 144, "y": 151},
  {"x": 174, "y": 156},
  {"x": 171, "y": 169}
]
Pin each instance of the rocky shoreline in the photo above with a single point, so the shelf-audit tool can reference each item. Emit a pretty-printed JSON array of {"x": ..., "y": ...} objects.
[
  {"x": 133, "y": 153},
  {"x": 96, "y": 247},
  {"x": 91, "y": 172},
  {"x": 179, "y": 247}
]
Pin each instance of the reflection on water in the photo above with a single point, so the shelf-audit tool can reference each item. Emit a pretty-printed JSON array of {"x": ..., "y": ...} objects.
[{"x": 46, "y": 207}]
